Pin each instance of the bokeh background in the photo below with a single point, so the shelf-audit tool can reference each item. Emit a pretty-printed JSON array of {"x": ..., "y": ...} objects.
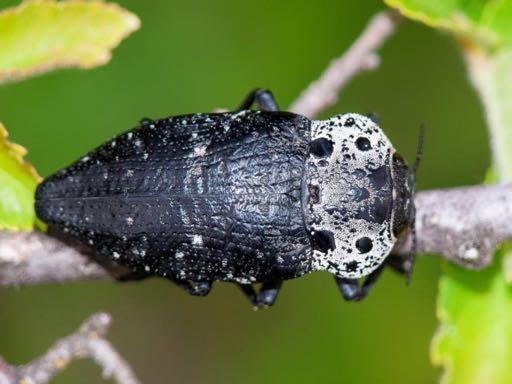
[{"x": 199, "y": 55}]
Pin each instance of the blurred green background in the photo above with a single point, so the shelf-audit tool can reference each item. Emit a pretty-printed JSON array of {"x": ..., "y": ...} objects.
[{"x": 199, "y": 55}]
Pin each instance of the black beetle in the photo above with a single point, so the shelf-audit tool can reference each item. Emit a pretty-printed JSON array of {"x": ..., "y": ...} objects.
[{"x": 246, "y": 196}]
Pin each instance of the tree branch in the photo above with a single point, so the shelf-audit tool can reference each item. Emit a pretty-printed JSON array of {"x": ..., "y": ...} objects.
[
  {"x": 87, "y": 342},
  {"x": 360, "y": 57},
  {"x": 28, "y": 258},
  {"x": 464, "y": 225}
]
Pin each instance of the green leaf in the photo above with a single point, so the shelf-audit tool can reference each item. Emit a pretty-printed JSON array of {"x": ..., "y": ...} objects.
[
  {"x": 474, "y": 340},
  {"x": 18, "y": 181},
  {"x": 487, "y": 23},
  {"x": 42, "y": 35}
]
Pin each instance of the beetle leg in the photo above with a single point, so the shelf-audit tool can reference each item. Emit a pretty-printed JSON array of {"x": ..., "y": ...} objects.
[
  {"x": 352, "y": 291},
  {"x": 399, "y": 264},
  {"x": 262, "y": 97},
  {"x": 268, "y": 293},
  {"x": 249, "y": 292},
  {"x": 195, "y": 288},
  {"x": 265, "y": 297},
  {"x": 402, "y": 265}
]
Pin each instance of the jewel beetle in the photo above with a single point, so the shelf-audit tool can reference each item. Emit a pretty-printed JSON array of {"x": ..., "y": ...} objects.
[{"x": 250, "y": 196}]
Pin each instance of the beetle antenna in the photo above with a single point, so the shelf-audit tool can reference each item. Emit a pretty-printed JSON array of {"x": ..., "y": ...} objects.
[
  {"x": 419, "y": 152},
  {"x": 414, "y": 169}
]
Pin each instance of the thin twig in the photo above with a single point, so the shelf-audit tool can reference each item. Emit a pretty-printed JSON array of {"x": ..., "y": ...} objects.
[
  {"x": 360, "y": 57},
  {"x": 87, "y": 342},
  {"x": 463, "y": 225}
]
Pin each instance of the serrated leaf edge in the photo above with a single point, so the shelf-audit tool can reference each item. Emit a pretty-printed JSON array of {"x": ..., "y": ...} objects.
[{"x": 17, "y": 152}]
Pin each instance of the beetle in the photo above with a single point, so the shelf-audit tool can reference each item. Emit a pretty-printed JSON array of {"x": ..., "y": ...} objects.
[{"x": 250, "y": 196}]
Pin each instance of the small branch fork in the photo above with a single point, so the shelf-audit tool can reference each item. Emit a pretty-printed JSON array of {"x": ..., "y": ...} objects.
[
  {"x": 87, "y": 342},
  {"x": 463, "y": 225}
]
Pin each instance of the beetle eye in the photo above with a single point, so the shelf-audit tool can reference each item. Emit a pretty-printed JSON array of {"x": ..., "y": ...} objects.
[
  {"x": 364, "y": 244},
  {"x": 363, "y": 144}
]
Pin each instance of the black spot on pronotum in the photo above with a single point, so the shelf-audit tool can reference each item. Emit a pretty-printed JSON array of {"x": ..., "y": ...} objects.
[
  {"x": 321, "y": 147},
  {"x": 363, "y": 144},
  {"x": 364, "y": 244},
  {"x": 323, "y": 241},
  {"x": 352, "y": 266},
  {"x": 358, "y": 194},
  {"x": 380, "y": 177},
  {"x": 349, "y": 122},
  {"x": 314, "y": 194}
]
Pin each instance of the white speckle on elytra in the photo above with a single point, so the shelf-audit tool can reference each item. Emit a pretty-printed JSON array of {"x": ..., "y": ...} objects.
[
  {"x": 145, "y": 156},
  {"x": 146, "y": 268},
  {"x": 116, "y": 255},
  {"x": 179, "y": 255},
  {"x": 138, "y": 143},
  {"x": 196, "y": 171},
  {"x": 129, "y": 135},
  {"x": 85, "y": 158},
  {"x": 194, "y": 135},
  {"x": 113, "y": 143},
  {"x": 197, "y": 240},
  {"x": 129, "y": 220},
  {"x": 200, "y": 151},
  {"x": 129, "y": 173}
]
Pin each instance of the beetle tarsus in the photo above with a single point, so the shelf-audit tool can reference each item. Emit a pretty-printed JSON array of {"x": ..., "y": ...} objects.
[
  {"x": 262, "y": 97},
  {"x": 399, "y": 264},
  {"x": 198, "y": 288},
  {"x": 265, "y": 297},
  {"x": 268, "y": 293},
  {"x": 352, "y": 291}
]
